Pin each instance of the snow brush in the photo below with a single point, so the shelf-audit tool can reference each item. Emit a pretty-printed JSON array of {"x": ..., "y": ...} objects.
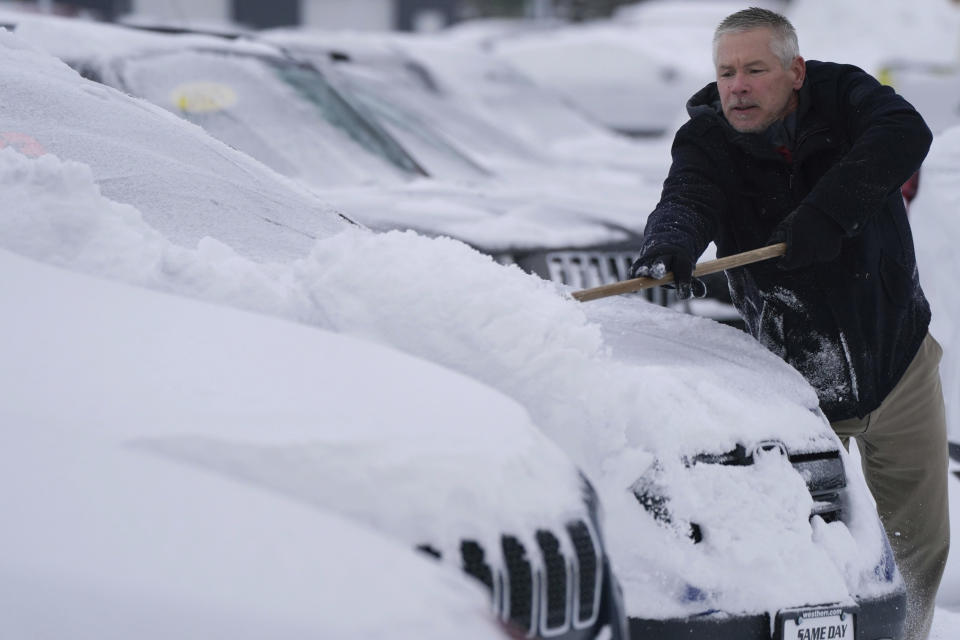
[{"x": 711, "y": 266}]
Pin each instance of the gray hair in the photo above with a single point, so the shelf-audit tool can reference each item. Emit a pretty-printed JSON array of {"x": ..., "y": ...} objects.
[{"x": 784, "y": 42}]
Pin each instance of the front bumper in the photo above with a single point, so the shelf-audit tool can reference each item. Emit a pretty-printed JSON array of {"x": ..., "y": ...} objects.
[{"x": 877, "y": 619}]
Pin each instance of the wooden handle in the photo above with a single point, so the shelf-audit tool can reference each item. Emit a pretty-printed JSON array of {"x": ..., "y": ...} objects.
[{"x": 711, "y": 266}]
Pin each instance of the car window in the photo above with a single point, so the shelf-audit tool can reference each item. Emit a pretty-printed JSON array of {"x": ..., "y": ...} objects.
[{"x": 285, "y": 115}]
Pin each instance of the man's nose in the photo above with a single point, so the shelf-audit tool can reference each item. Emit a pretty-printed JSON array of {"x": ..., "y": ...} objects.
[{"x": 740, "y": 84}]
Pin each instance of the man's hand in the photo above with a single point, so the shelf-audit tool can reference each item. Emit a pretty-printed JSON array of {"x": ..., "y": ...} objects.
[
  {"x": 811, "y": 236},
  {"x": 658, "y": 263}
]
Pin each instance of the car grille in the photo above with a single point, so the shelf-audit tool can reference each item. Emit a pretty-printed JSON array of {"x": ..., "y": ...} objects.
[
  {"x": 584, "y": 269},
  {"x": 547, "y": 590},
  {"x": 822, "y": 471},
  {"x": 588, "y": 269}
]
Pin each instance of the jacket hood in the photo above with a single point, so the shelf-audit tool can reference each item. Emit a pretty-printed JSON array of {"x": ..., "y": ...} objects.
[{"x": 705, "y": 102}]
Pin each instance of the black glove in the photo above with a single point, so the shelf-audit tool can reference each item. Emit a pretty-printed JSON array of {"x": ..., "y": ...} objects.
[
  {"x": 811, "y": 236},
  {"x": 658, "y": 262}
]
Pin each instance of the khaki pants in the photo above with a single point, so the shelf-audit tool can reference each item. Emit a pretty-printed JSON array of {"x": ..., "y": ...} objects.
[{"x": 903, "y": 450}]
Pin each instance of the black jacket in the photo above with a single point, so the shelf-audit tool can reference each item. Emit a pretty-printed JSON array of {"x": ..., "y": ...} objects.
[{"x": 851, "y": 326}]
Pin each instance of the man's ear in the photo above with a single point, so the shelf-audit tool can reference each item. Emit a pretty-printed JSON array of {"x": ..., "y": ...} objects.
[{"x": 799, "y": 70}]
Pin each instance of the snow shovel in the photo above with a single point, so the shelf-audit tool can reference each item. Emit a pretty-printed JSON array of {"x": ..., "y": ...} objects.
[{"x": 711, "y": 266}]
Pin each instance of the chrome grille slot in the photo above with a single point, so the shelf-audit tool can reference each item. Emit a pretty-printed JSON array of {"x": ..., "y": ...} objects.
[
  {"x": 521, "y": 590},
  {"x": 588, "y": 577},
  {"x": 474, "y": 562},
  {"x": 555, "y": 587}
]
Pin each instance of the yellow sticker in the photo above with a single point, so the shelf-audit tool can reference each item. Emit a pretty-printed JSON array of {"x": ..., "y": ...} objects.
[{"x": 203, "y": 97}]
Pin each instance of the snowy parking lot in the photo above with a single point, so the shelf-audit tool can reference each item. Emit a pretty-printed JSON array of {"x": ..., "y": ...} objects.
[{"x": 342, "y": 308}]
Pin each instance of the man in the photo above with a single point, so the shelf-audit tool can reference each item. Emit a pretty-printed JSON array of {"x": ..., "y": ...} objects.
[{"x": 813, "y": 154}]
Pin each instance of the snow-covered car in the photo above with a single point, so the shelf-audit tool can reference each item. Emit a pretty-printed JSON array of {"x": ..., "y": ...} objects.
[
  {"x": 427, "y": 456},
  {"x": 184, "y": 481},
  {"x": 111, "y": 530},
  {"x": 731, "y": 507},
  {"x": 745, "y": 471},
  {"x": 288, "y": 115}
]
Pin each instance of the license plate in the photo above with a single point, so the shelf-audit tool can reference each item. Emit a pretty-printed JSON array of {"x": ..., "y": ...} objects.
[{"x": 830, "y": 623}]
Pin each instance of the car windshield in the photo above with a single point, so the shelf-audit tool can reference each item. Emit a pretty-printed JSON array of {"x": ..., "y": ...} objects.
[
  {"x": 284, "y": 114},
  {"x": 415, "y": 130},
  {"x": 441, "y": 133}
]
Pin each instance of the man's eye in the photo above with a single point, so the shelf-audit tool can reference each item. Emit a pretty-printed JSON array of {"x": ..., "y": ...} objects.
[
  {"x": 726, "y": 74},
  {"x": 756, "y": 71}
]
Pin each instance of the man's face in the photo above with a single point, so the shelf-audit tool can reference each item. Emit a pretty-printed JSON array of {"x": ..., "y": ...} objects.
[{"x": 755, "y": 89}]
